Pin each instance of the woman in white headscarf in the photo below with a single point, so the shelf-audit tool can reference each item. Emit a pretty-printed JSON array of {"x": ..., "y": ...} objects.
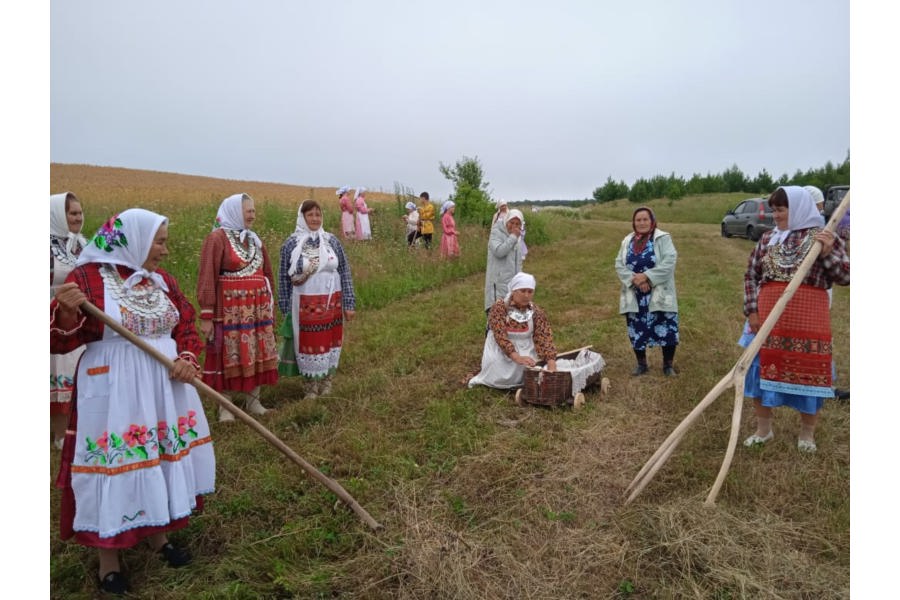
[
  {"x": 449, "y": 236},
  {"x": 793, "y": 367},
  {"x": 237, "y": 308},
  {"x": 315, "y": 295},
  {"x": 66, "y": 243},
  {"x": 363, "y": 226},
  {"x": 138, "y": 456},
  {"x": 504, "y": 256},
  {"x": 412, "y": 224},
  {"x": 348, "y": 221},
  {"x": 519, "y": 336}
]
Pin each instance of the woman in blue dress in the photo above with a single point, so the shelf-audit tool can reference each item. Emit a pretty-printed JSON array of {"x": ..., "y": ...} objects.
[{"x": 646, "y": 268}]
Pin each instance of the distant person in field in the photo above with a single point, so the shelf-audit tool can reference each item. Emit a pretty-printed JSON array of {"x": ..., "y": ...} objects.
[
  {"x": 794, "y": 365},
  {"x": 237, "y": 307},
  {"x": 315, "y": 295},
  {"x": 138, "y": 457},
  {"x": 818, "y": 198},
  {"x": 645, "y": 265},
  {"x": 449, "y": 237},
  {"x": 363, "y": 225},
  {"x": 843, "y": 230},
  {"x": 411, "y": 218},
  {"x": 504, "y": 257},
  {"x": 502, "y": 209},
  {"x": 66, "y": 243},
  {"x": 520, "y": 336},
  {"x": 426, "y": 219},
  {"x": 348, "y": 221}
]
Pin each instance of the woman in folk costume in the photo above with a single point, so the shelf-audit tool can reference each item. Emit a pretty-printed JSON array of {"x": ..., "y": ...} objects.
[
  {"x": 793, "y": 367},
  {"x": 237, "y": 310},
  {"x": 66, "y": 243},
  {"x": 450, "y": 237},
  {"x": 645, "y": 265},
  {"x": 363, "y": 226},
  {"x": 412, "y": 224},
  {"x": 348, "y": 221},
  {"x": 315, "y": 295},
  {"x": 519, "y": 336},
  {"x": 138, "y": 454}
]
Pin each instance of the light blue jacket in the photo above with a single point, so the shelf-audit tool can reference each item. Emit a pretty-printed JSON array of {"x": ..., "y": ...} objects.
[
  {"x": 662, "y": 276},
  {"x": 504, "y": 259}
]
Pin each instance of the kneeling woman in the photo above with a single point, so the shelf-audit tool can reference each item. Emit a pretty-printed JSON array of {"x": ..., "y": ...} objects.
[{"x": 519, "y": 336}]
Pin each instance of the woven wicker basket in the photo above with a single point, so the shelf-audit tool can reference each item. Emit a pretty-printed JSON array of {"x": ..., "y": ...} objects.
[{"x": 552, "y": 389}]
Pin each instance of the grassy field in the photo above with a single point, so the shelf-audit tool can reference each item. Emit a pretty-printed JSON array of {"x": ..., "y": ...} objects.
[{"x": 481, "y": 498}]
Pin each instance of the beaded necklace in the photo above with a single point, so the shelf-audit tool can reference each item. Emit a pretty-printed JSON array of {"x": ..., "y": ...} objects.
[
  {"x": 249, "y": 255},
  {"x": 58, "y": 247},
  {"x": 781, "y": 261},
  {"x": 144, "y": 309}
]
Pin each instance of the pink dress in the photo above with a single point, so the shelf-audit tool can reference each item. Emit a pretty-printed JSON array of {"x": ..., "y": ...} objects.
[
  {"x": 347, "y": 226},
  {"x": 363, "y": 228},
  {"x": 450, "y": 240}
]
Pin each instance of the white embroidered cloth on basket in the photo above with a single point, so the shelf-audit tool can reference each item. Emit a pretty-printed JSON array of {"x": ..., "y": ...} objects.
[{"x": 584, "y": 365}]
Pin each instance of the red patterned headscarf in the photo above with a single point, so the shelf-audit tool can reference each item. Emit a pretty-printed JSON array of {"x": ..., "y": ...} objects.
[{"x": 639, "y": 241}]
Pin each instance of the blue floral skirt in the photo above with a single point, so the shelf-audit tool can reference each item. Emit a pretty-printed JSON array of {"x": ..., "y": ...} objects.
[{"x": 647, "y": 328}]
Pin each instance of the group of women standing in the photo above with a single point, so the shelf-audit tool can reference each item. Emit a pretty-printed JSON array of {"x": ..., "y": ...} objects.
[
  {"x": 137, "y": 455},
  {"x": 355, "y": 223}
]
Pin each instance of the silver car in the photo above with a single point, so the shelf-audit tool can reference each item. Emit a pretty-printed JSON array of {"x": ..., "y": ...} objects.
[{"x": 751, "y": 218}]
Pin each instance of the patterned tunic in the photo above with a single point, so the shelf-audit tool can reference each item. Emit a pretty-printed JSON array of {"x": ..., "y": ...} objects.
[{"x": 234, "y": 289}]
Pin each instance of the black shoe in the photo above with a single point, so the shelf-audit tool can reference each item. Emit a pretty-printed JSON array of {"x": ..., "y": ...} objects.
[
  {"x": 639, "y": 370},
  {"x": 175, "y": 556},
  {"x": 841, "y": 394},
  {"x": 114, "y": 583},
  {"x": 669, "y": 371}
]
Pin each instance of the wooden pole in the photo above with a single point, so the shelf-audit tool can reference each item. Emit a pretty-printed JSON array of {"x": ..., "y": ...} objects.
[
  {"x": 734, "y": 377},
  {"x": 224, "y": 402}
]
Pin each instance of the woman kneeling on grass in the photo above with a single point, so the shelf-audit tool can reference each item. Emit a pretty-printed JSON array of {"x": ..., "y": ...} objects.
[
  {"x": 315, "y": 295},
  {"x": 519, "y": 335},
  {"x": 793, "y": 366},
  {"x": 137, "y": 457}
]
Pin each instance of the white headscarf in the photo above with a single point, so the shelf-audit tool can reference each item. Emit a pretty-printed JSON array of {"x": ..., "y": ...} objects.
[
  {"x": 515, "y": 213},
  {"x": 447, "y": 206},
  {"x": 302, "y": 232},
  {"x": 500, "y": 203},
  {"x": 59, "y": 223},
  {"x": 342, "y": 190},
  {"x": 520, "y": 281},
  {"x": 410, "y": 206},
  {"x": 802, "y": 213},
  {"x": 359, "y": 192},
  {"x": 231, "y": 216},
  {"x": 125, "y": 239}
]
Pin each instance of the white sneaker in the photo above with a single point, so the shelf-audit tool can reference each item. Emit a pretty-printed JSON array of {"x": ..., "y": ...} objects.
[
  {"x": 756, "y": 439},
  {"x": 225, "y": 415}
]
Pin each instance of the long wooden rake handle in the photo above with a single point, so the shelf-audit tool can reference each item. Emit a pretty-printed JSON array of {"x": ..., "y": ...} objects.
[
  {"x": 734, "y": 377},
  {"x": 224, "y": 402}
]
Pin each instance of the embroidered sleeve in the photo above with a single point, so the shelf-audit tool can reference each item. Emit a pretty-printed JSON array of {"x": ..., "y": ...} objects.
[
  {"x": 349, "y": 298},
  {"x": 497, "y": 324},
  {"x": 185, "y": 333},
  {"x": 284, "y": 280},
  {"x": 211, "y": 254},
  {"x": 87, "y": 328},
  {"x": 543, "y": 335}
]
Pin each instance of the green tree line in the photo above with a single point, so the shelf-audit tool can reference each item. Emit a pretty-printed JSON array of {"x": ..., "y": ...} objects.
[{"x": 731, "y": 179}]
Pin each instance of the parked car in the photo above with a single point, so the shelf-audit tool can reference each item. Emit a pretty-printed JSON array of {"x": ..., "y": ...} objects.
[
  {"x": 833, "y": 196},
  {"x": 751, "y": 218}
]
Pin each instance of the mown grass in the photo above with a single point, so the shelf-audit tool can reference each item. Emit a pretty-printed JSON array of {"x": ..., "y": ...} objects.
[{"x": 480, "y": 498}]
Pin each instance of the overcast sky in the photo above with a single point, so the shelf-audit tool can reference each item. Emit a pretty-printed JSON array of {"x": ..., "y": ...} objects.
[{"x": 552, "y": 97}]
